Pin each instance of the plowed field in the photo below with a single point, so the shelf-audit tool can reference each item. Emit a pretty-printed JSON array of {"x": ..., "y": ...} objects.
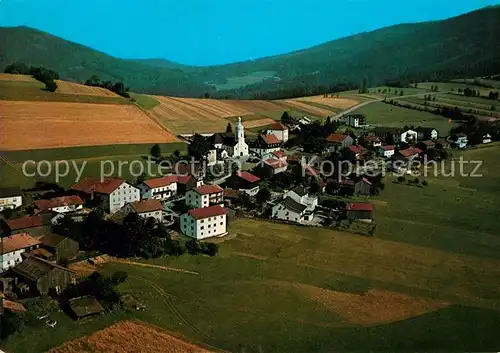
[{"x": 76, "y": 88}]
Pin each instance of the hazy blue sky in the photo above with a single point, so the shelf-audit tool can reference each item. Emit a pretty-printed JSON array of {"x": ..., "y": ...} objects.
[{"x": 204, "y": 32}]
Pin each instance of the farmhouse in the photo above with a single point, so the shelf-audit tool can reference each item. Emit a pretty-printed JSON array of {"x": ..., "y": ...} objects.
[
  {"x": 290, "y": 210},
  {"x": 111, "y": 194},
  {"x": 373, "y": 141},
  {"x": 410, "y": 153},
  {"x": 41, "y": 276},
  {"x": 359, "y": 211},
  {"x": 386, "y": 151},
  {"x": 145, "y": 209},
  {"x": 462, "y": 141},
  {"x": 277, "y": 155},
  {"x": 61, "y": 247},
  {"x": 426, "y": 133},
  {"x": 245, "y": 182},
  {"x": 355, "y": 151},
  {"x": 337, "y": 142},
  {"x": 33, "y": 225},
  {"x": 395, "y": 134},
  {"x": 486, "y": 138},
  {"x": 265, "y": 144},
  {"x": 362, "y": 187},
  {"x": 10, "y": 198},
  {"x": 279, "y": 130},
  {"x": 355, "y": 120},
  {"x": 85, "y": 306},
  {"x": 60, "y": 204},
  {"x": 159, "y": 188},
  {"x": 13, "y": 246},
  {"x": 205, "y": 196},
  {"x": 187, "y": 182},
  {"x": 275, "y": 166},
  {"x": 206, "y": 222},
  {"x": 300, "y": 195}
]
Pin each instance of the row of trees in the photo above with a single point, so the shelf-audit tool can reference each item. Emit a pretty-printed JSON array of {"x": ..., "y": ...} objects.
[
  {"x": 47, "y": 76},
  {"x": 117, "y": 87}
]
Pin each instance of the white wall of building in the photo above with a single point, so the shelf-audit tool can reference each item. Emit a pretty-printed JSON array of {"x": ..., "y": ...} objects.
[
  {"x": 13, "y": 258},
  {"x": 121, "y": 195},
  {"x": 281, "y": 212},
  {"x": 10, "y": 202},
  {"x": 161, "y": 193},
  {"x": 68, "y": 208},
  {"x": 203, "y": 228},
  {"x": 310, "y": 201}
]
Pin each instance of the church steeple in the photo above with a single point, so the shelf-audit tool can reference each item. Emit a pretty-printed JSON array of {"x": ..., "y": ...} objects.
[{"x": 240, "y": 130}]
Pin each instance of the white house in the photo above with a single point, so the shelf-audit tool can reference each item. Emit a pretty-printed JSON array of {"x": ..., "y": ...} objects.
[
  {"x": 146, "y": 208},
  {"x": 355, "y": 120},
  {"x": 235, "y": 146},
  {"x": 206, "y": 222},
  {"x": 487, "y": 138},
  {"x": 408, "y": 136},
  {"x": 12, "y": 248},
  {"x": 386, "y": 151},
  {"x": 426, "y": 133},
  {"x": 159, "y": 188},
  {"x": 300, "y": 195},
  {"x": 279, "y": 130},
  {"x": 265, "y": 144},
  {"x": 246, "y": 182},
  {"x": 111, "y": 193},
  {"x": 462, "y": 140},
  {"x": 290, "y": 210},
  {"x": 275, "y": 166},
  {"x": 205, "y": 196},
  {"x": 10, "y": 198},
  {"x": 61, "y": 204}
]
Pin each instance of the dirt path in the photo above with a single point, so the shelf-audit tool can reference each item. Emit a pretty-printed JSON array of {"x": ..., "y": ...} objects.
[{"x": 140, "y": 264}]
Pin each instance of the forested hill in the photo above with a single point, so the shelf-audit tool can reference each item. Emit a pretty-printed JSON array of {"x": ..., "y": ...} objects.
[{"x": 466, "y": 45}]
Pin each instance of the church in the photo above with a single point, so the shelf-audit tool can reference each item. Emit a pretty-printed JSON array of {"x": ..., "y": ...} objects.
[{"x": 233, "y": 145}]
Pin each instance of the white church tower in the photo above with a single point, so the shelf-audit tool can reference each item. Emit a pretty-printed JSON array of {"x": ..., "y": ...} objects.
[{"x": 241, "y": 147}]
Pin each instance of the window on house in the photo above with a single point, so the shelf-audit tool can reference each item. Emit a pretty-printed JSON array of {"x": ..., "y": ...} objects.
[
  {"x": 202, "y": 227},
  {"x": 221, "y": 223},
  {"x": 209, "y": 225}
]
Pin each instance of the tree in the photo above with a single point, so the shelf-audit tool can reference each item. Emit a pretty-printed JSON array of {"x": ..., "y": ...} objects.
[
  {"x": 51, "y": 86},
  {"x": 401, "y": 179},
  {"x": 17, "y": 68},
  {"x": 156, "y": 151},
  {"x": 93, "y": 81},
  {"x": 229, "y": 128},
  {"x": 314, "y": 188},
  {"x": 177, "y": 154},
  {"x": 263, "y": 195},
  {"x": 193, "y": 247},
  {"x": 425, "y": 183},
  {"x": 140, "y": 179},
  {"x": 199, "y": 147},
  {"x": 211, "y": 249},
  {"x": 119, "y": 277},
  {"x": 416, "y": 181}
]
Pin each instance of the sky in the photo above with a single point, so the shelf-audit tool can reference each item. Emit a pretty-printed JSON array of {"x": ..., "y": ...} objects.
[{"x": 211, "y": 32}]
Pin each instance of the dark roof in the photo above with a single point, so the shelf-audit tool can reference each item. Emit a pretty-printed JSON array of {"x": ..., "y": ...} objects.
[
  {"x": 229, "y": 140},
  {"x": 387, "y": 147},
  {"x": 275, "y": 163},
  {"x": 160, "y": 182},
  {"x": 336, "y": 138},
  {"x": 410, "y": 151},
  {"x": 58, "y": 202},
  {"x": 10, "y": 192},
  {"x": 231, "y": 193},
  {"x": 356, "y": 149},
  {"x": 106, "y": 186},
  {"x": 27, "y": 222},
  {"x": 208, "y": 189},
  {"x": 84, "y": 306},
  {"x": 52, "y": 239},
  {"x": 278, "y": 126},
  {"x": 301, "y": 191},
  {"x": 17, "y": 242},
  {"x": 149, "y": 205},
  {"x": 293, "y": 205},
  {"x": 269, "y": 139},
  {"x": 204, "y": 212},
  {"x": 33, "y": 268},
  {"x": 216, "y": 139}
]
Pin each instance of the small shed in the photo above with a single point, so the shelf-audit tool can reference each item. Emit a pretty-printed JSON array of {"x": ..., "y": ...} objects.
[{"x": 85, "y": 306}]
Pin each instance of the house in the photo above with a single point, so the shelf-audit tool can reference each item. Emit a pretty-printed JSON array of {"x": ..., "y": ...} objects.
[
  {"x": 236, "y": 146},
  {"x": 395, "y": 134},
  {"x": 275, "y": 166},
  {"x": 61, "y": 204},
  {"x": 231, "y": 197},
  {"x": 33, "y": 225},
  {"x": 290, "y": 210},
  {"x": 13, "y": 246},
  {"x": 111, "y": 194},
  {"x": 187, "y": 182},
  {"x": 205, "y": 196},
  {"x": 279, "y": 130},
  {"x": 146, "y": 209},
  {"x": 10, "y": 198},
  {"x": 426, "y": 133},
  {"x": 408, "y": 136},
  {"x": 362, "y": 187},
  {"x": 206, "y": 222},
  {"x": 300, "y": 195},
  {"x": 355, "y": 120},
  {"x": 277, "y": 155},
  {"x": 486, "y": 138},
  {"x": 85, "y": 306},
  {"x": 426, "y": 145},
  {"x": 462, "y": 141},
  {"x": 373, "y": 141},
  {"x": 359, "y": 211},
  {"x": 62, "y": 247},
  {"x": 337, "y": 142},
  {"x": 411, "y": 153},
  {"x": 159, "y": 188},
  {"x": 41, "y": 276},
  {"x": 265, "y": 144},
  {"x": 77, "y": 216},
  {"x": 386, "y": 151},
  {"x": 245, "y": 182},
  {"x": 355, "y": 151}
]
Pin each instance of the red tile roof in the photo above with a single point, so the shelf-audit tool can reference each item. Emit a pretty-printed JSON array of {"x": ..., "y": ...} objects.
[
  {"x": 356, "y": 149},
  {"x": 275, "y": 163},
  {"x": 58, "y": 202},
  {"x": 17, "y": 242},
  {"x": 26, "y": 222},
  {"x": 208, "y": 189},
  {"x": 336, "y": 138},
  {"x": 387, "y": 147},
  {"x": 372, "y": 138},
  {"x": 160, "y": 182},
  {"x": 278, "y": 154},
  {"x": 13, "y": 306},
  {"x": 201, "y": 213},
  {"x": 106, "y": 186},
  {"x": 231, "y": 193},
  {"x": 278, "y": 126},
  {"x": 248, "y": 176},
  {"x": 270, "y": 139},
  {"x": 410, "y": 151},
  {"x": 150, "y": 205},
  {"x": 360, "y": 207}
]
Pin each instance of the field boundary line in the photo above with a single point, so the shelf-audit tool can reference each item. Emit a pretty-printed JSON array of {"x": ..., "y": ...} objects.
[{"x": 141, "y": 264}]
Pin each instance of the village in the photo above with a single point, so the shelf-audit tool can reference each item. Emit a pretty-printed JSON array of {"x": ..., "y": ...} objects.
[{"x": 291, "y": 172}]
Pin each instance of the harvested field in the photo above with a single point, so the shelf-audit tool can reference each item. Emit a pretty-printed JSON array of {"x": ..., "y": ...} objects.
[
  {"x": 219, "y": 108},
  {"x": 342, "y": 103},
  {"x": 38, "y": 125},
  {"x": 374, "y": 307},
  {"x": 256, "y": 123},
  {"x": 295, "y": 104},
  {"x": 76, "y": 88},
  {"x": 130, "y": 336},
  {"x": 16, "y": 78}
]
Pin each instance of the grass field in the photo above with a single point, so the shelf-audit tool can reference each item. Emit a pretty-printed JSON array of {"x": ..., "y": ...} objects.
[
  {"x": 241, "y": 81},
  {"x": 144, "y": 101},
  {"x": 388, "y": 115}
]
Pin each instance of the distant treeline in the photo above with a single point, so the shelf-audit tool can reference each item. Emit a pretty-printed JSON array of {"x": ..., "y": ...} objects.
[
  {"x": 41, "y": 74},
  {"x": 117, "y": 87}
]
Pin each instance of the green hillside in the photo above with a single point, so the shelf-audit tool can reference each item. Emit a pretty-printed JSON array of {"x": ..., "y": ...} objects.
[{"x": 464, "y": 46}]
